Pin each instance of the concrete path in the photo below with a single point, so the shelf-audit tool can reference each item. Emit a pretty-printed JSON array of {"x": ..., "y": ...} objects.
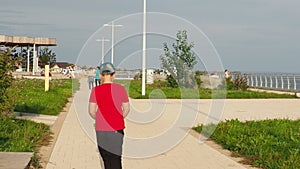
[
  {"x": 14, "y": 160},
  {"x": 158, "y": 135},
  {"x": 39, "y": 118}
]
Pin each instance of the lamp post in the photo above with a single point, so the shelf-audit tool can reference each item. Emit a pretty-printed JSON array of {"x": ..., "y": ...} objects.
[
  {"x": 144, "y": 52},
  {"x": 102, "y": 40},
  {"x": 112, "y": 38}
]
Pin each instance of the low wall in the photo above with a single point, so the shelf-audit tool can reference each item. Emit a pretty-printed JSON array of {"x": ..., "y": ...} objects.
[{"x": 210, "y": 82}]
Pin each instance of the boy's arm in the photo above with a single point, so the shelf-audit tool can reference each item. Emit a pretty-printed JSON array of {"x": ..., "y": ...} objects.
[
  {"x": 125, "y": 108},
  {"x": 93, "y": 109}
]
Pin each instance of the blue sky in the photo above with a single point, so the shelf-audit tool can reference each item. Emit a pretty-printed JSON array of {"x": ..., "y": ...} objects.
[{"x": 249, "y": 35}]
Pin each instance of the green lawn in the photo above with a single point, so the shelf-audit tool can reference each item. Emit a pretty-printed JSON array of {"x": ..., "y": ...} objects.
[
  {"x": 158, "y": 90},
  {"x": 30, "y": 97},
  {"x": 270, "y": 144},
  {"x": 22, "y": 135}
]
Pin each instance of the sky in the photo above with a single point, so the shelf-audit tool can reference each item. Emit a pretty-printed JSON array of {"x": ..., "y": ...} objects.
[{"x": 239, "y": 35}]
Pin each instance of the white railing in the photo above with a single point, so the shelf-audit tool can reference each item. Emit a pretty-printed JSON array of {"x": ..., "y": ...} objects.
[
  {"x": 275, "y": 81},
  {"x": 280, "y": 81}
]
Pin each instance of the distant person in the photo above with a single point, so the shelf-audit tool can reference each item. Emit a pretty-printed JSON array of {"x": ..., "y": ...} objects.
[
  {"x": 226, "y": 73},
  {"x": 97, "y": 76},
  {"x": 109, "y": 105},
  {"x": 91, "y": 82},
  {"x": 72, "y": 72}
]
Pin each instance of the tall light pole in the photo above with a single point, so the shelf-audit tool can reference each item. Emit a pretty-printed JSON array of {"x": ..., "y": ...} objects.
[
  {"x": 144, "y": 52},
  {"x": 102, "y": 40},
  {"x": 112, "y": 39}
]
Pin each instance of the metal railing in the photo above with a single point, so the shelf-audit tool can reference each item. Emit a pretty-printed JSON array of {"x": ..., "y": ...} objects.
[{"x": 276, "y": 81}]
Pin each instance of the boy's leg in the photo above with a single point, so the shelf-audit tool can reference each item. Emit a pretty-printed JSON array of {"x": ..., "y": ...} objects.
[{"x": 110, "y": 148}]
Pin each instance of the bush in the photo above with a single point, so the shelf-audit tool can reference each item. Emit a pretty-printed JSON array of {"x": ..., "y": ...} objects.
[
  {"x": 198, "y": 79},
  {"x": 171, "y": 82},
  {"x": 239, "y": 82},
  {"x": 6, "y": 103}
]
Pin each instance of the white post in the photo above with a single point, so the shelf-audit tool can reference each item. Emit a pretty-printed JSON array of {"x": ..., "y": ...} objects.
[
  {"x": 112, "y": 42},
  {"x": 112, "y": 38},
  {"x": 28, "y": 59},
  {"x": 144, "y": 52},
  {"x": 276, "y": 82},
  {"x": 256, "y": 81},
  {"x": 295, "y": 83},
  {"x": 261, "y": 83},
  {"x": 252, "y": 81},
  {"x": 102, "y": 56},
  {"x": 271, "y": 82},
  {"x": 34, "y": 67},
  {"x": 282, "y": 82},
  {"x": 266, "y": 81},
  {"x": 288, "y": 81},
  {"x": 102, "y": 40},
  {"x": 46, "y": 78},
  {"x": 248, "y": 81}
]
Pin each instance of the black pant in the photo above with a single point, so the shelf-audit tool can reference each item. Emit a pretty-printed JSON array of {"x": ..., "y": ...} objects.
[
  {"x": 110, "y": 147},
  {"x": 91, "y": 85},
  {"x": 97, "y": 82}
]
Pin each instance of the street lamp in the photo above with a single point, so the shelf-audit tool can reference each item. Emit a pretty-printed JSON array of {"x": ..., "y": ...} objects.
[
  {"x": 112, "y": 39},
  {"x": 144, "y": 52},
  {"x": 102, "y": 40}
]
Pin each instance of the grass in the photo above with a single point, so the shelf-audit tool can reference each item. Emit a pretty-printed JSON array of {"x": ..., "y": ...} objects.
[
  {"x": 22, "y": 135},
  {"x": 159, "y": 91},
  {"x": 30, "y": 96},
  {"x": 270, "y": 144}
]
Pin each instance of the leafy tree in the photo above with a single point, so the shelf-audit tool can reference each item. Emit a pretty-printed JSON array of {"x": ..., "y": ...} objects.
[
  {"x": 198, "y": 79},
  {"x": 180, "y": 61},
  {"x": 6, "y": 66},
  {"x": 15, "y": 59},
  {"x": 172, "y": 82},
  {"x": 47, "y": 56}
]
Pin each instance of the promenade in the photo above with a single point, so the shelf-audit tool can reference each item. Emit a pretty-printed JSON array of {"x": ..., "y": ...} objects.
[{"x": 75, "y": 147}]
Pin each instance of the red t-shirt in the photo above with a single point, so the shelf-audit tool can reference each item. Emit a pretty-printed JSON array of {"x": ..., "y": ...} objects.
[{"x": 109, "y": 98}]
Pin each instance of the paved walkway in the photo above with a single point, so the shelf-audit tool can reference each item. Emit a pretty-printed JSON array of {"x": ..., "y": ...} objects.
[
  {"x": 39, "y": 118},
  {"x": 157, "y": 135},
  {"x": 14, "y": 160}
]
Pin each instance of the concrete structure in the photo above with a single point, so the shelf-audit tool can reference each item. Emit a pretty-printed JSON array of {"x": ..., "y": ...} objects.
[
  {"x": 23, "y": 41},
  {"x": 150, "y": 76}
]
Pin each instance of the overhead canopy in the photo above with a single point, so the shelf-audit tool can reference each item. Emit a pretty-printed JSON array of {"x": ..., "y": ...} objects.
[{"x": 23, "y": 41}]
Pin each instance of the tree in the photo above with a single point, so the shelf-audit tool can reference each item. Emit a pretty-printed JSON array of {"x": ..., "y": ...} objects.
[
  {"x": 47, "y": 56},
  {"x": 15, "y": 59},
  {"x": 180, "y": 61},
  {"x": 6, "y": 66}
]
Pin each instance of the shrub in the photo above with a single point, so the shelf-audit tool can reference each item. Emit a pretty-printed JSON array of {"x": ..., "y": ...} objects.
[
  {"x": 171, "y": 82},
  {"x": 239, "y": 82},
  {"x": 198, "y": 79},
  {"x": 6, "y": 104}
]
